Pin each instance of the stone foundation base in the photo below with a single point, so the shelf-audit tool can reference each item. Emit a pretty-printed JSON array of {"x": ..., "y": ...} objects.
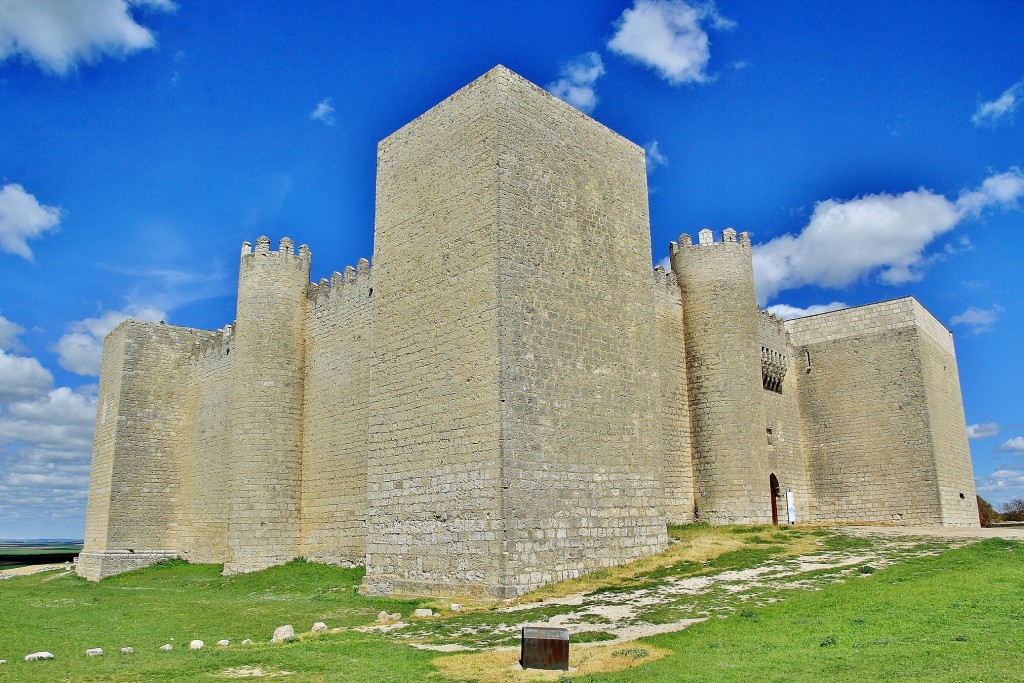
[
  {"x": 94, "y": 565},
  {"x": 392, "y": 587}
]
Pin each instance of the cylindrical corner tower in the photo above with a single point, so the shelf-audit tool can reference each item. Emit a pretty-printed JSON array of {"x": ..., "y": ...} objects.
[
  {"x": 723, "y": 359},
  {"x": 266, "y": 410}
]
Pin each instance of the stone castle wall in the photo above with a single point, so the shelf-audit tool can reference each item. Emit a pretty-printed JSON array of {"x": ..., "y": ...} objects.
[
  {"x": 142, "y": 414},
  {"x": 674, "y": 417},
  {"x": 783, "y": 433},
  {"x": 511, "y": 397},
  {"x": 870, "y": 453},
  {"x": 336, "y": 417},
  {"x": 206, "y": 452},
  {"x": 581, "y": 481},
  {"x": 434, "y": 475}
]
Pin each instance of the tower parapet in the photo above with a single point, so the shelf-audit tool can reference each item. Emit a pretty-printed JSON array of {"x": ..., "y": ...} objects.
[
  {"x": 266, "y": 415},
  {"x": 723, "y": 363}
]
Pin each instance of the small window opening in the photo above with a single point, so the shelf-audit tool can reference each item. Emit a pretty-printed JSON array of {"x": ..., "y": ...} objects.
[
  {"x": 768, "y": 433},
  {"x": 807, "y": 356},
  {"x": 370, "y": 294},
  {"x": 961, "y": 496}
]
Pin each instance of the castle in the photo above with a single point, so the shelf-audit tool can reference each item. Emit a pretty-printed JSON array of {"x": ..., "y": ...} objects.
[{"x": 511, "y": 396}]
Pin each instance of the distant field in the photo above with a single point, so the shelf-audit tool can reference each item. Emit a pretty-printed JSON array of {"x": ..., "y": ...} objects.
[{"x": 14, "y": 554}]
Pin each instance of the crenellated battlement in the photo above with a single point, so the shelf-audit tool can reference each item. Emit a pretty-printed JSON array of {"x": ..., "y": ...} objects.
[
  {"x": 216, "y": 342},
  {"x": 706, "y": 239},
  {"x": 340, "y": 282},
  {"x": 286, "y": 248},
  {"x": 665, "y": 278}
]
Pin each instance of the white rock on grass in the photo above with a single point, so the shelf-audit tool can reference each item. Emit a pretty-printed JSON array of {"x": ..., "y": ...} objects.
[
  {"x": 3, "y": 661},
  {"x": 167, "y": 647},
  {"x": 36, "y": 656},
  {"x": 423, "y": 612},
  {"x": 397, "y": 616},
  {"x": 283, "y": 633},
  {"x": 456, "y": 607},
  {"x": 94, "y": 652},
  {"x": 223, "y": 643},
  {"x": 247, "y": 641},
  {"x": 127, "y": 650},
  {"x": 319, "y": 626},
  {"x": 382, "y": 617},
  {"x": 196, "y": 645}
]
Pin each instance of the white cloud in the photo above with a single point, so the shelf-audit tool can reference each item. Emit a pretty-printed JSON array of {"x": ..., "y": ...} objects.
[
  {"x": 576, "y": 85},
  {"x": 323, "y": 112},
  {"x": 669, "y": 36},
  {"x": 59, "y": 34},
  {"x": 982, "y": 430},
  {"x": 62, "y": 419},
  {"x": 789, "y": 312},
  {"x": 978, "y": 320},
  {"x": 1003, "y": 107},
  {"x": 1002, "y": 189},
  {"x": 1014, "y": 445},
  {"x": 22, "y": 218},
  {"x": 80, "y": 350},
  {"x": 9, "y": 333},
  {"x": 22, "y": 378},
  {"x": 655, "y": 157},
  {"x": 1001, "y": 485},
  {"x": 45, "y": 448},
  {"x": 880, "y": 234}
]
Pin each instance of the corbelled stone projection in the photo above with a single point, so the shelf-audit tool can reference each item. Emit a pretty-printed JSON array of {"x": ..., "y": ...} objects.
[{"x": 510, "y": 396}]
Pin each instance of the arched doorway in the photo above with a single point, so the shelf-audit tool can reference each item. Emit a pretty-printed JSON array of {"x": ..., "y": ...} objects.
[{"x": 773, "y": 482}]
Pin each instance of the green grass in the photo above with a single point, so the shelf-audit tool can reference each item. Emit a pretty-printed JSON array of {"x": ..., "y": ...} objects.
[
  {"x": 954, "y": 616},
  {"x": 176, "y": 602}
]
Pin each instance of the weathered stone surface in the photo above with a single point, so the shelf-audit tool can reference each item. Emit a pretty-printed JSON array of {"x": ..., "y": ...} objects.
[
  {"x": 511, "y": 396},
  {"x": 166, "y": 647},
  {"x": 223, "y": 643},
  {"x": 247, "y": 641},
  {"x": 423, "y": 612},
  {"x": 283, "y": 633},
  {"x": 456, "y": 607},
  {"x": 196, "y": 645},
  {"x": 94, "y": 652},
  {"x": 382, "y": 617},
  {"x": 319, "y": 626},
  {"x": 127, "y": 650}
]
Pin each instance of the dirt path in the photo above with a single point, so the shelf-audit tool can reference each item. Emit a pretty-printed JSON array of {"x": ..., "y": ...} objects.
[
  {"x": 671, "y": 603},
  {"x": 29, "y": 569}
]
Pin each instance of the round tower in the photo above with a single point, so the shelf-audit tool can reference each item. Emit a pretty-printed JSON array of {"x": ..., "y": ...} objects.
[
  {"x": 266, "y": 406},
  {"x": 723, "y": 360}
]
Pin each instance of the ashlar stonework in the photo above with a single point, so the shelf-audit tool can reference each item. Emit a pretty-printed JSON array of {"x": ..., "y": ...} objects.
[{"x": 510, "y": 396}]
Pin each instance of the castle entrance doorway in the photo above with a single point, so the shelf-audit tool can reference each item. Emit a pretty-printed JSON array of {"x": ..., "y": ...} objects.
[{"x": 773, "y": 482}]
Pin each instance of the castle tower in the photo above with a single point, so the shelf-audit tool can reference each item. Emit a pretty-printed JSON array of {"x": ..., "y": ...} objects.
[
  {"x": 723, "y": 359},
  {"x": 266, "y": 411},
  {"x": 513, "y": 435}
]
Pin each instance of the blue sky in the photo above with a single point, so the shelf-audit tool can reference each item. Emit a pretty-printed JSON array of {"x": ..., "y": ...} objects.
[{"x": 872, "y": 149}]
